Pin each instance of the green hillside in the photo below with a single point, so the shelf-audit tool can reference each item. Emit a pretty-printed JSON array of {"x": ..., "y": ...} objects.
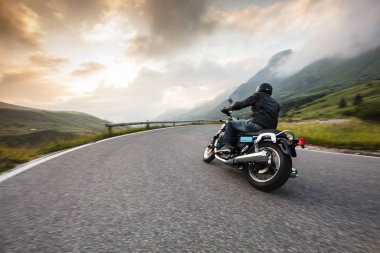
[
  {"x": 22, "y": 120},
  {"x": 360, "y": 100},
  {"x": 35, "y": 139},
  {"x": 26, "y": 133},
  {"x": 331, "y": 74}
]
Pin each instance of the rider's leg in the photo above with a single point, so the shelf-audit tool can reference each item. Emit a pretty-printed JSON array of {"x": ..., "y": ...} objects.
[
  {"x": 246, "y": 126},
  {"x": 239, "y": 125},
  {"x": 230, "y": 131},
  {"x": 252, "y": 127}
]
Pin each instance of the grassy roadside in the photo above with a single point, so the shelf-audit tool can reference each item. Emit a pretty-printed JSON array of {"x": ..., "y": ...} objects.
[{"x": 349, "y": 134}]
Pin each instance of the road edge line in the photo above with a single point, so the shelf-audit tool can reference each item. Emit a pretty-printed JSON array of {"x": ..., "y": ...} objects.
[
  {"x": 24, "y": 167},
  {"x": 338, "y": 153}
]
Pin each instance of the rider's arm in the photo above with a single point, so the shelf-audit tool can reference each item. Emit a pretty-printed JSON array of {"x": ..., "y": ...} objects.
[{"x": 250, "y": 101}]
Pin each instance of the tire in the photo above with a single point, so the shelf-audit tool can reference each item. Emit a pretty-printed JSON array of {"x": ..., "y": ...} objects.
[
  {"x": 209, "y": 154},
  {"x": 270, "y": 176}
]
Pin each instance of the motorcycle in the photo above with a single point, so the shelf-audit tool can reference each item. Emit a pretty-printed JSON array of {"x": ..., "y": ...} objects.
[{"x": 265, "y": 156}]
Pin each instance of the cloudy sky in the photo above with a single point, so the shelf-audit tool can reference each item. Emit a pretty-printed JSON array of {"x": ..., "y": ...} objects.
[{"x": 128, "y": 60}]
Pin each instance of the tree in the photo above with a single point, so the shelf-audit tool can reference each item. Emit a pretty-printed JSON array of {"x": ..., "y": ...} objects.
[
  {"x": 342, "y": 103},
  {"x": 357, "y": 99}
]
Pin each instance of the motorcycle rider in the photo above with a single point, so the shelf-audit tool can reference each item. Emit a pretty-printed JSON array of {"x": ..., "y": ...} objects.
[{"x": 265, "y": 114}]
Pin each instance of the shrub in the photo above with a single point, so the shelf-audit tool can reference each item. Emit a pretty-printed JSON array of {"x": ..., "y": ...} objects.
[
  {"x": 368, "y": 111},
  {"x": 357, "y": 99},
  {"x": 348, "y": 113},
  {"x": 342, "y": 103}
]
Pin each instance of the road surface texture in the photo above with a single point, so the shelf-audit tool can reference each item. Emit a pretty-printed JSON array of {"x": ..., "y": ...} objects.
[{"x": 151, "y": 192}]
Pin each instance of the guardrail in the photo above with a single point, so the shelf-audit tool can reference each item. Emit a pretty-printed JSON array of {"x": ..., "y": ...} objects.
[{"x": 148, "y": 123}]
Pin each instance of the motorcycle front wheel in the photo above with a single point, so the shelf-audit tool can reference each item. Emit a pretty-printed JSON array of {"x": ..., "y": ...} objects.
[
  {"x": 209, "y": 153},
  {"x": 272, "y": 174}
]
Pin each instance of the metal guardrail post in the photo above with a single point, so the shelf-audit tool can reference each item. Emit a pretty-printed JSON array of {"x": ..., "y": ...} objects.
[{"x": 147, "y": 124}]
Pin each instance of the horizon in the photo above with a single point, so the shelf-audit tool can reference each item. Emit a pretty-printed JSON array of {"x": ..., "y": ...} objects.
[{"x": 135, "y": 60}]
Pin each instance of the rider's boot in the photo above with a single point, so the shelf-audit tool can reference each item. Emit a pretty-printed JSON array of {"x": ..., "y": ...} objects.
[{"x": 226, "y": 151}]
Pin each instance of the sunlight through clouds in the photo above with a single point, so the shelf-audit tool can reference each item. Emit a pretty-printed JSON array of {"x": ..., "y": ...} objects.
[
  {"x": 120, "y": 73},
  {"x": 114, "y": 29}
]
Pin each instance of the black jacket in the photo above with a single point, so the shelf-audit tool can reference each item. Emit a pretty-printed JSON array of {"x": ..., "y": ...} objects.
[{"x": 265, "y": 109}]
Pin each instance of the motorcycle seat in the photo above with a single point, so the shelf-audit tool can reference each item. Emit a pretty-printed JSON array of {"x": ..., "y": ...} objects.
[{"x": 275, "y": 131}]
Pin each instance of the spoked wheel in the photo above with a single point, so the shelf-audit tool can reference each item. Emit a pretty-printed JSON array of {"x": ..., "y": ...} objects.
[
  {"x": 272, "y": 174},
  {"x": 209, "y": 154}
]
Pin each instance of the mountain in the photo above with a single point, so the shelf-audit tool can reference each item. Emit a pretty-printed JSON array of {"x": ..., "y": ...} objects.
[
  {"x": 313, "y": 82},
  {"x": 265, "y": 75},
  {"x": 211, "y": 110},
  {"x": 331, "y": 74},
  {"x": 171, "y": 115},
  {"x": 23, "y": 120},
  {"x": 199, "y": 112}
]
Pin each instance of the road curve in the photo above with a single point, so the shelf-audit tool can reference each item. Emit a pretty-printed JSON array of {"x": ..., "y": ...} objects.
[{"x": 151, "y": 192}]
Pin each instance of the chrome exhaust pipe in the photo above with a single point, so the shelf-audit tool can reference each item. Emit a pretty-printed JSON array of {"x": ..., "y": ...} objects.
[{"x": 254, "y": 157}]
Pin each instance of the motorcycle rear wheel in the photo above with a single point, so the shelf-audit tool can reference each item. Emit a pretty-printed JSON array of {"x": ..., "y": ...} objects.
[
  {"x": 209, "y": 153},
  {"x": 273, "y": 174}
]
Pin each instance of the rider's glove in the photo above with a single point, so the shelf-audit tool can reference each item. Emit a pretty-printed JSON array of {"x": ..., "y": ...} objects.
[{"x": 225, "y": 110}]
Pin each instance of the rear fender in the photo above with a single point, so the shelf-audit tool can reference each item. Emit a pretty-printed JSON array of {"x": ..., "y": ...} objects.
[
  {"x": 287, "y": 147},
  {"x": 264, "y": 136}
]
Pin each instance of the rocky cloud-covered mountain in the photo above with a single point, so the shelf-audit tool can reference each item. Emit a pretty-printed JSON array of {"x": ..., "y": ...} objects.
[{"x": 312, "y": 82}]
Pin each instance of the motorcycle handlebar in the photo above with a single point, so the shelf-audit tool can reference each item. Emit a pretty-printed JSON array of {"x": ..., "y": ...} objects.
[{"x": 228, "y": 113}]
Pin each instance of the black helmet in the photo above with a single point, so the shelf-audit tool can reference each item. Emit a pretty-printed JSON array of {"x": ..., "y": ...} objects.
[{"x": 264, "y": 87}]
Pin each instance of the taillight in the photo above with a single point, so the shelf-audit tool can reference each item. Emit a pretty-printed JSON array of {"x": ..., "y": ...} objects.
[{"x": 301, "y": 142}]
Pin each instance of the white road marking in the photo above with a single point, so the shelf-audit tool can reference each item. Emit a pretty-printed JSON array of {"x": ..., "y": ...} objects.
[
  {"x": 6, "y": 175},
  {"x": 336, "y": 153}
]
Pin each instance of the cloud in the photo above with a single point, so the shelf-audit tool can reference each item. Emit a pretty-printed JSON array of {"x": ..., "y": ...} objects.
[
  {"x": 30, "y": 87},
  {"x": 27, "y": 26},
  {"x": 45, "y": 60},
  {"x": 87, "y": 68},
  {"x": 344, "y": 29},
  {"x": 33, "y": 82},
  {"x": 19, "y": 25},
  {"x": 112, "y": 28},
  {"x": 267, "y": 19},
  {"x": 171, "y": 25},
  {"x": 314, "y": 29},
  {"x": 30, "y": 25},
  {"x": 72, "y": 12}
]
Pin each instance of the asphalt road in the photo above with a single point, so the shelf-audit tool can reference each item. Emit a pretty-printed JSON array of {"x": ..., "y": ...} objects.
[{"x": 151, "y": 192}]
